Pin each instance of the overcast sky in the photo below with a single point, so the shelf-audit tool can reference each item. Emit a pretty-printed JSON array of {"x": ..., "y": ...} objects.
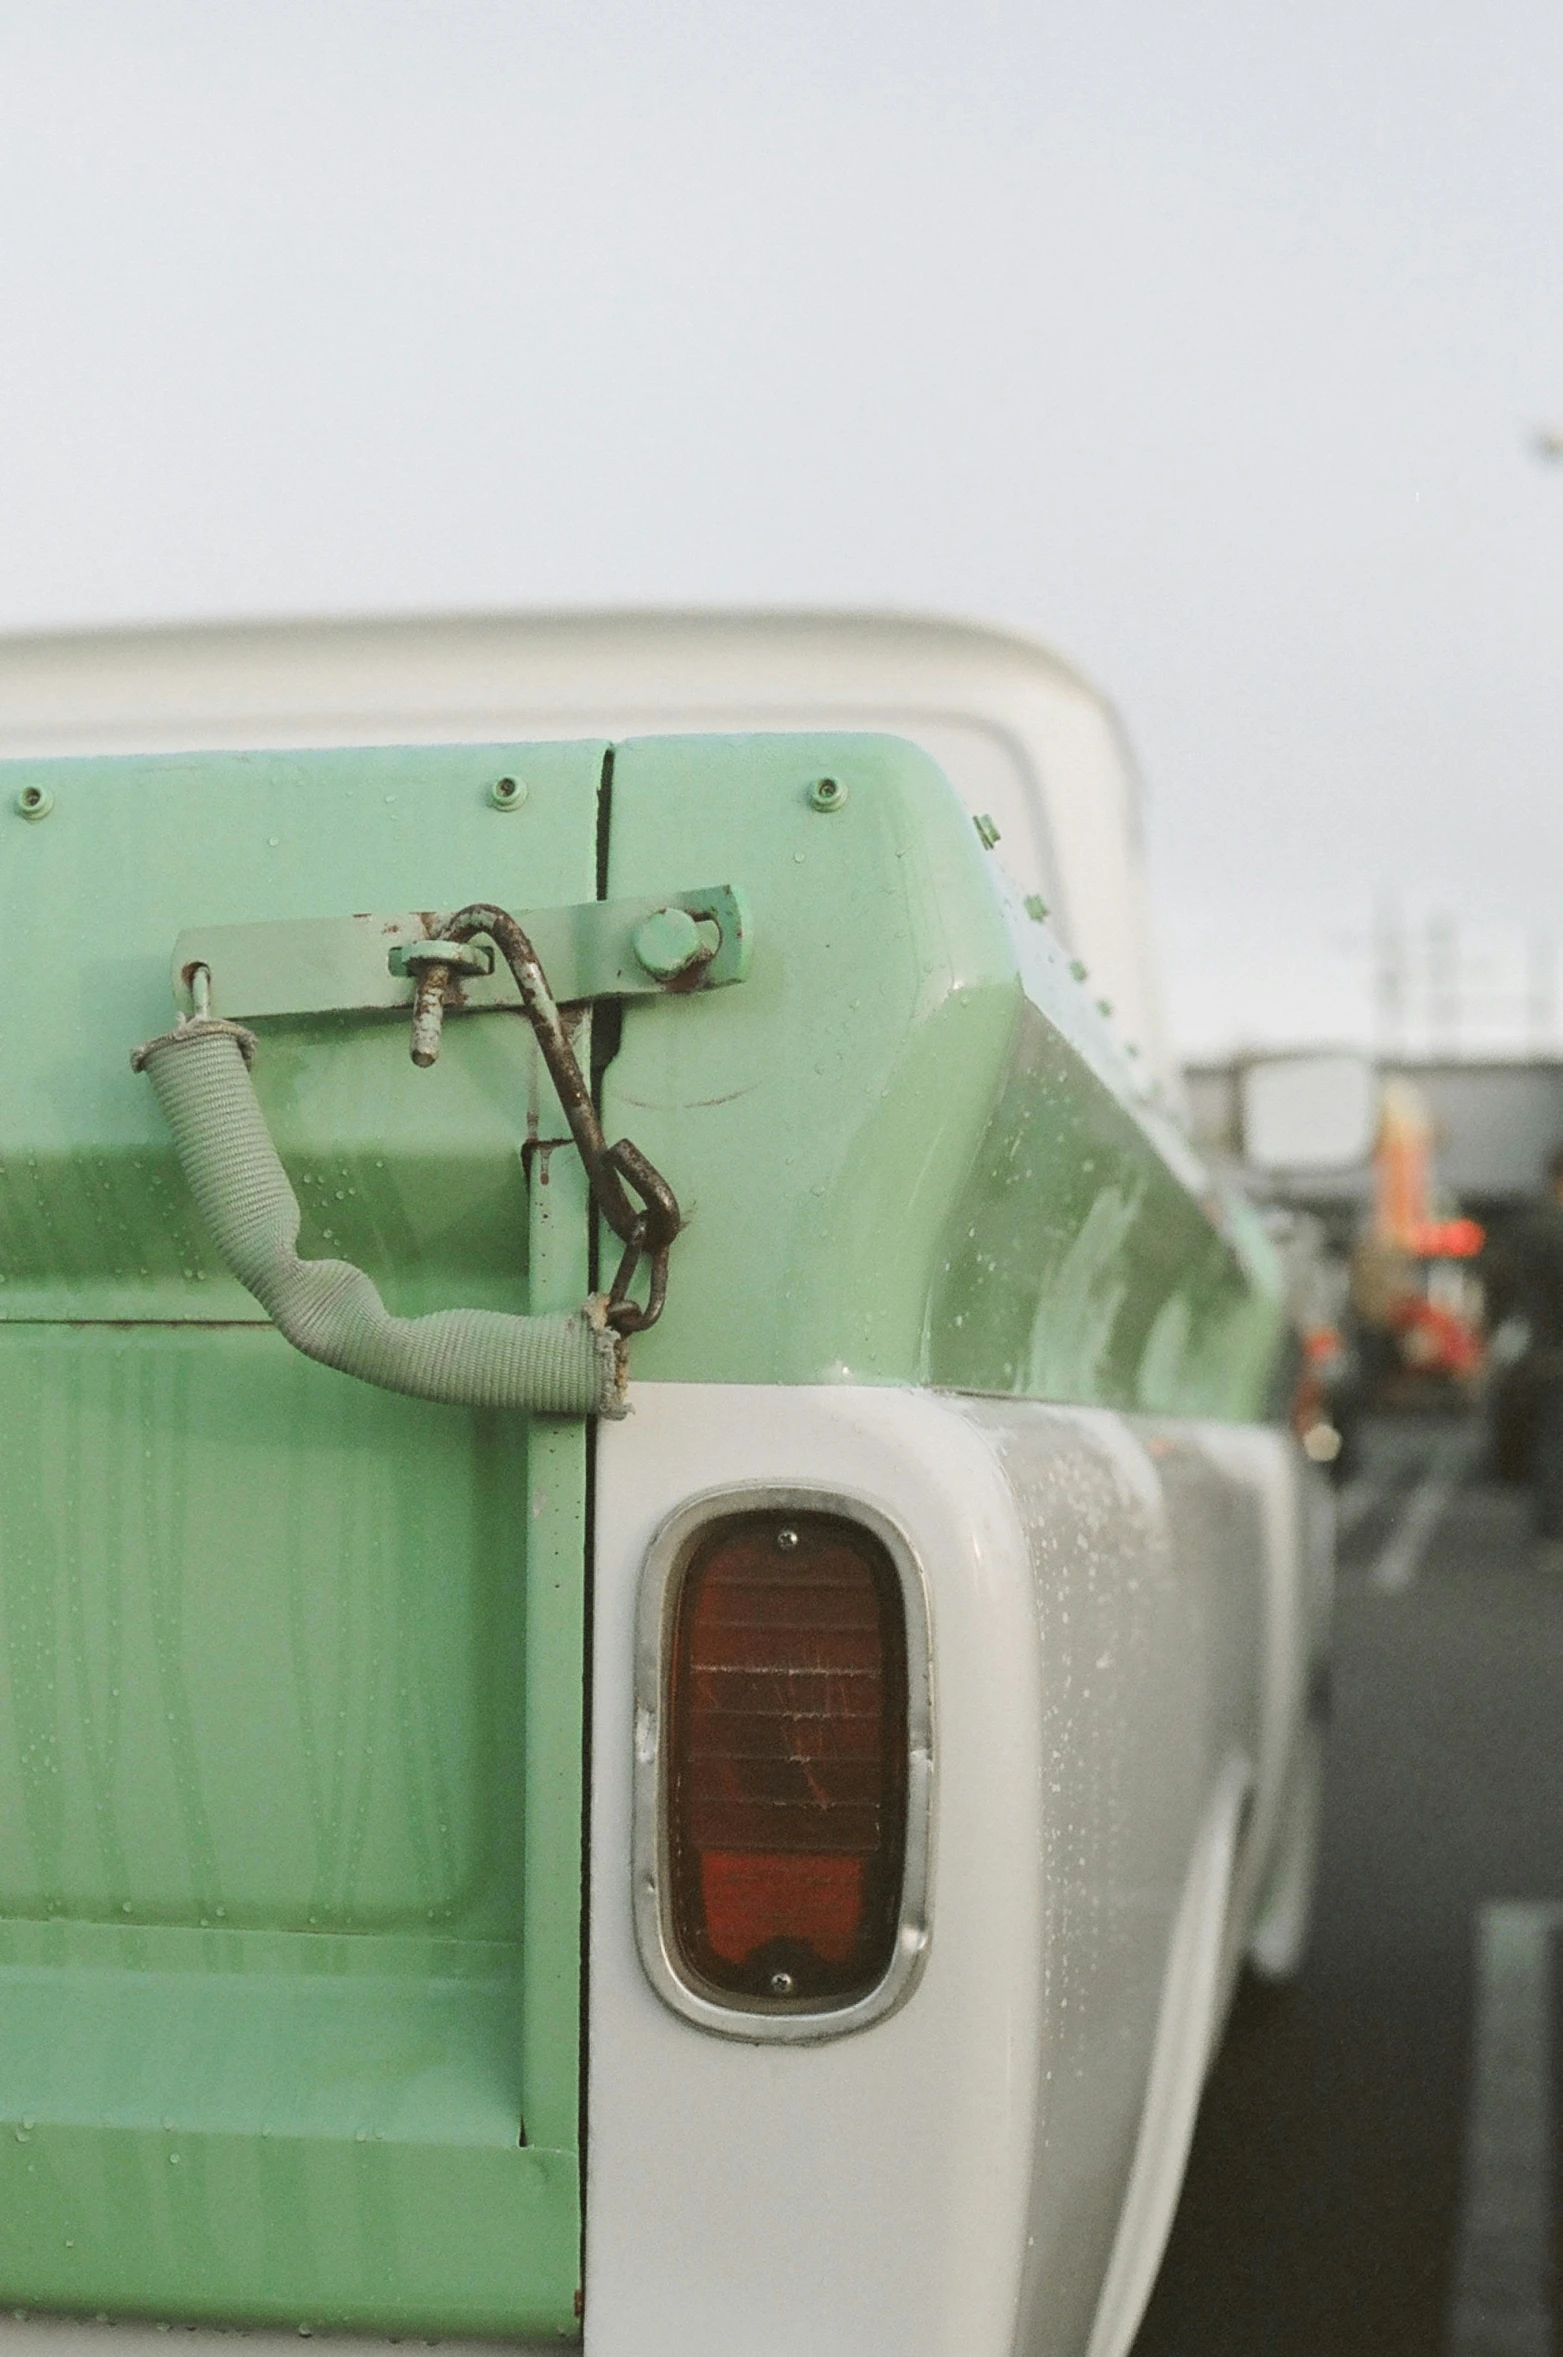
[{"x": 1204, "y": 340}]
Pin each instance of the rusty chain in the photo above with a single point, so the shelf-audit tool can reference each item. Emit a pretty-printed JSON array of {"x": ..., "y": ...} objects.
[{"x": 645, "y": 1231}]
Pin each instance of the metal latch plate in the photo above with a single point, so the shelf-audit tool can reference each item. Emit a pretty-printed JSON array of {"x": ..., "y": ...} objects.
[{"x": 353, "y": 965}]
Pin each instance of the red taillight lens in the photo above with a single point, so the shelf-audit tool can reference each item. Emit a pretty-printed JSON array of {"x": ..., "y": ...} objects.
[{"x": 787, "y": 1764}]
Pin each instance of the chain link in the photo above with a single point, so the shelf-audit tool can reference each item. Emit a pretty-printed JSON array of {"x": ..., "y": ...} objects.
[{"x": 647, "y": 1229}]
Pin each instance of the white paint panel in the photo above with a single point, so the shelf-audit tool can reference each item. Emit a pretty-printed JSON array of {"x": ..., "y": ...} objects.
[
  {"x": 1118, "y": 1628},
  {"x": 1186, "y": 2024},
  {"x": 866, "y": 2195},
  {"x": 1170, "y": 1617}
]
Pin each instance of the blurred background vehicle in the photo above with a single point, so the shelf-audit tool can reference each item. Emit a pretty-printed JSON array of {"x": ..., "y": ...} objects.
[{"x": 1354, "y": 1161}]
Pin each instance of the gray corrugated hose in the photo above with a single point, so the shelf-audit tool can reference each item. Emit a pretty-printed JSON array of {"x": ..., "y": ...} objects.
[{"x": 565, "y": 1365}]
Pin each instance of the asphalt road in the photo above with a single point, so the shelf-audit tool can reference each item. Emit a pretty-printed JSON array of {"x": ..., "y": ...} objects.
[{"x": 1372, "y": 2168}]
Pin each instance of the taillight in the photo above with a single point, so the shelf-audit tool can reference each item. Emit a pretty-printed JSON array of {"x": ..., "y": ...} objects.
[{"x": 793, "y": 1756}]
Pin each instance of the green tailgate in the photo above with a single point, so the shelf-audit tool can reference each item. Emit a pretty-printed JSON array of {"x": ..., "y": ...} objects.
[{"x": 290, "y": 1668}]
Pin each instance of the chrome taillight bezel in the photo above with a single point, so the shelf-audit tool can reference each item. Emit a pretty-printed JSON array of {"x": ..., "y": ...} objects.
[{"x": 768, "y": 2020}]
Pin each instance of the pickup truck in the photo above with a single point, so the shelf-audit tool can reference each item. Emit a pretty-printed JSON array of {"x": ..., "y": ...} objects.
[{"x": 660, "y": 1636}]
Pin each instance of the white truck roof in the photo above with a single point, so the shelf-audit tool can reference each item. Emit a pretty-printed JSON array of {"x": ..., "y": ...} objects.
[{"x": 1022, "y": 736}]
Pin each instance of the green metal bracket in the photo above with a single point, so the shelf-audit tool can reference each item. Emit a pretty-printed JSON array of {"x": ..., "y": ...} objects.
[{"x": 690, "y": 941}]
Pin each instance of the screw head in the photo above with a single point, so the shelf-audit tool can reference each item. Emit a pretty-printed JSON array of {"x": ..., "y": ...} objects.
[
  {"x": 787, "y": 1538},
  {"x": 34, "y": 801},
  {"x": 827, "y": 793},
  {"x": 507, "y": 793},
  {"x": 783, "y": 1984}
]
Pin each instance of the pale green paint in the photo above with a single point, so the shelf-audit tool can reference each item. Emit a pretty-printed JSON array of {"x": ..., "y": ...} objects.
[
  {"x": 889, "y": 1141},
  {"x": 413, "y": 1175},
  {"x": 668, "y": 943},
  {"x": 290, "y": 1667},
  {"x": 301, "y": 2231},
  {"x": 358, "y": 964},
  {"x": 1081, "y": 1268},
  {"x": 910, "y": 1149}
]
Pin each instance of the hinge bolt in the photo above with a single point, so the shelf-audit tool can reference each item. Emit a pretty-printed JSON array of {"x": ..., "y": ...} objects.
[{"x": 669, "y": 942}]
